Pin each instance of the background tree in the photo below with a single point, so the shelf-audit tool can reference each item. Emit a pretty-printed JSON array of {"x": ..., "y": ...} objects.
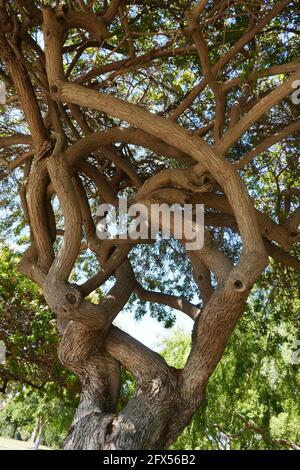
[
  {"x": 250, "y": 400},
  {"x": 37, "y": 391},
  {"x": 162, "y": 102},
  {"x": 28, "y": 329}
]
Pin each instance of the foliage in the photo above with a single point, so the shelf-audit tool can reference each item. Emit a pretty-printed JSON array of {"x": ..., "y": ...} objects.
[
  {"x": 28, "y": 329},
  {"x": 32, "y": 380},
  {"x": 251, "y": 400},
  {"x": 23, "y": 409}
]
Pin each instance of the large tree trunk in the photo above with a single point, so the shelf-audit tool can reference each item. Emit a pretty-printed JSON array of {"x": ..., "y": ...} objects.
[
  {"x": 165, "y": 399},
  {"x": 141, "y": 425},
  {"x": 147, "y": 419}
]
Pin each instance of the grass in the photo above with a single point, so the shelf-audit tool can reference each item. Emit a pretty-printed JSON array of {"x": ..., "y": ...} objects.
[{"x": 12, "y": 444}]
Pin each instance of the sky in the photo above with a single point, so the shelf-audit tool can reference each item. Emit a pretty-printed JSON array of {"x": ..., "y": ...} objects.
[{"x": 149, "y": 331}]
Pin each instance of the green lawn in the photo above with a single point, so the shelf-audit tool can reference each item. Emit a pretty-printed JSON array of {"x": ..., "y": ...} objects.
[{"x": 12, "y": 444}]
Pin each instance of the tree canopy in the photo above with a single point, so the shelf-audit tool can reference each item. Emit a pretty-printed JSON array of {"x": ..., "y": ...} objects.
[{"x": 158, "y": 102}]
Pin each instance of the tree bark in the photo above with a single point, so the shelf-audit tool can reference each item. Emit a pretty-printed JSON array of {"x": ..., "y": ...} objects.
[{"x": 145, "y": 421}]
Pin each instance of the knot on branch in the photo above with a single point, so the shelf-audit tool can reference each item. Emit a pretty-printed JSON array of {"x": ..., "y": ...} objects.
[
  {"x": 243, "y": 276},
  {"x": 112, "y": 428},
  {"x": 56, "y": 89},
  {"x": 206, "y": 179},
  {"x": 43, "y": 151},
  {"x": 239, "y": 285},
  {"x": 71, "y": 300},
  {"x": 201, "y": 184},
  {"x": 63, "y": 299},
  {"x": 294, "y": 237}
]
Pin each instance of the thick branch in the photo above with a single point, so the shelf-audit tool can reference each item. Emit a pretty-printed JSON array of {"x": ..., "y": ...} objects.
[
  {"x": 266, "y": 103},
  {"x": 17, "y": 139},
  {"x": 173, "y": 134},
  {"x": 65, "y": 190},
  {"x": 178, "y": 303}
]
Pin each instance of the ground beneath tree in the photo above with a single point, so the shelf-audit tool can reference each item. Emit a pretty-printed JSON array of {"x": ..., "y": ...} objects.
[{"x": 12, "y": 444}]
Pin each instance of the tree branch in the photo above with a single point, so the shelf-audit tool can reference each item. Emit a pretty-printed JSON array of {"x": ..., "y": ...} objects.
[
  {"x": 176, "y": 136},
  {"x": 266, "y": 103},
  {"x": 250, "y": 34},
  {"x": 267, "y": 143},
  {"x": 178, "y": 303}
]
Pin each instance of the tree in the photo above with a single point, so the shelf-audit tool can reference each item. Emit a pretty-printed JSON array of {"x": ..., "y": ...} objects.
[
  {"x": 250, "y": 400},
  {"x": 28, "y": 330},
  {"x": 162, "y": 102},
  {"x": 36, "y": 388},
  {"x": 37, "y": 416}
]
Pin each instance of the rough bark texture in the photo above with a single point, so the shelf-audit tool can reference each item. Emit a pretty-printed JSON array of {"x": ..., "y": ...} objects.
[{"x": 61, "y": 142}]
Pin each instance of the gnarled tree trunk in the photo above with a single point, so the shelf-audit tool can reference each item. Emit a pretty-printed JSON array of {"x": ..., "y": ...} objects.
[{"x": 67, "y": 158}]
